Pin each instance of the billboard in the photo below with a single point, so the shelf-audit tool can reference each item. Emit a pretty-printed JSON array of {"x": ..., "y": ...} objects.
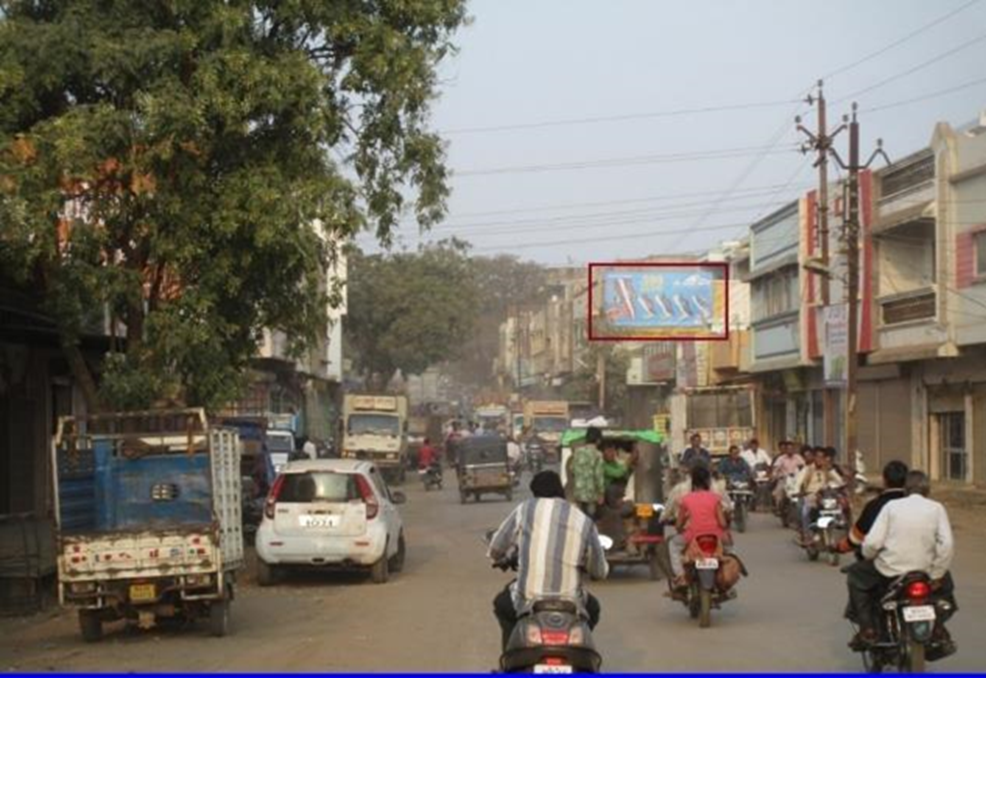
[{"x": 656, "y": 301}]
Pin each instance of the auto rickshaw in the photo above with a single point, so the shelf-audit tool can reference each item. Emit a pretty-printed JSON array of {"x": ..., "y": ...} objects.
[
  {"x": 483, "y": 468},
  {"x": 635, "y": 501}
]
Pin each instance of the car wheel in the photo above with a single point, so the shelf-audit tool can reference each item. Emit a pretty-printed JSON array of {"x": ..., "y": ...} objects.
[
  {"x": 91, "y": 626},
  {"x": 218, "y": 618},
  {"x": 266, "y": 575},
  {"x": 379, "y": 572},
  {"x": 397, "y": 561}
]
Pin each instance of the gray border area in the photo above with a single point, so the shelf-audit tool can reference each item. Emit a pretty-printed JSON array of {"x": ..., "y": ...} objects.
[{"x": 478, "y": 740}]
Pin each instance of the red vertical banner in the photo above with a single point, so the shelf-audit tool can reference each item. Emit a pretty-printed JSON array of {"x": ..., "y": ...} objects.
[
  {"x": 965, "y": 259},
  {"x": 867, "y": 298},
  {"x": 810, "y": 293}
]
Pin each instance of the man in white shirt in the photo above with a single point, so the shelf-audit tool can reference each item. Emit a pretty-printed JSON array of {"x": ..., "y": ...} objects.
[
  {"x": 309, "y": 448},
  {"x": 755, "y": 456},
  {"x": 912, "y": 534}
]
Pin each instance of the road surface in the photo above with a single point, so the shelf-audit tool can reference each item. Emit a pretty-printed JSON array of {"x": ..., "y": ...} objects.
[{"x": 436, "y": 616}]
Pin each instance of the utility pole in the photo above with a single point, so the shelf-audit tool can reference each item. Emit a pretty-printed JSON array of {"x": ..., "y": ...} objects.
[
  {"x": 823, "y": 143},
  {"x": 852, "y": 284},
  {"x": 601, "y": 378}
]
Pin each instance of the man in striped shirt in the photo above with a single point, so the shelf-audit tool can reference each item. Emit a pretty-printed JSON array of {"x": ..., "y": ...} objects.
[{"x": 554, "y": 543}]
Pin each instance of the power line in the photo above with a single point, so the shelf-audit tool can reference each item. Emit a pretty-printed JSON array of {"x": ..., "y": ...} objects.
[
  {"x": 902, "y": 40},
  {"x": 678, "y": 112},
  {"x": 742, "y": 193},
  {"x": 595, "y": 218},
  {"x": 929, "y": 96},
  {"x": 917, "y": 67},
  {"x": 664, "y": 158}
]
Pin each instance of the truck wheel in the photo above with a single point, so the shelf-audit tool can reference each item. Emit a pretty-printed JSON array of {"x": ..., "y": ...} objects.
[
  {"x": 266, "y": 575},
  {"x": 218, "y": 617},
  {"x": 91, "y": 626},
  {"x": 397, "y": 561},
  {"x": 379, "y": 572},
  {"x": 464, "y": 499}
]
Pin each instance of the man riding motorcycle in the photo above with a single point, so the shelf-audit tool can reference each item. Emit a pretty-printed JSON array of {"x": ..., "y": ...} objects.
[
  {"x": 910, "y": 534},
  {"x": 814, "y": 479},
  {"x": 734, "y": 468},
  {"x": 555, "y": 543}
]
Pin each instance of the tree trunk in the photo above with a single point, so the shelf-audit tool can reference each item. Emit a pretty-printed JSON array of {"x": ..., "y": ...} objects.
[{"x": 84, "y": 378}]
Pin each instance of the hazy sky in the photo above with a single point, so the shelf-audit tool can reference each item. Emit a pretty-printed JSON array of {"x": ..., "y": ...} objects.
[{"x": 546, "y": 192}]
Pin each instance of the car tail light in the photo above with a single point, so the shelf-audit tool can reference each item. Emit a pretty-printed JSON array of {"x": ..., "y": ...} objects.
[
  {"x": 367, "y": 494},
  {"x": 707, "y": 545},
  {"x": 919, "y": 590},
  {"x": 275, "y": 490}
]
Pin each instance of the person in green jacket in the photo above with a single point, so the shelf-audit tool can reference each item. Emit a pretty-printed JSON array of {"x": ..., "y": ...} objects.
[
  {"x": 617, "y": 468},
  {"x": 588, "y": 481}
]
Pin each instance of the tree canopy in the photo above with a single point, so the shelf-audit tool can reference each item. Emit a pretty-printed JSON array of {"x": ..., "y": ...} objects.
[
  {"x": 186, "y": 166},
  {"x": 410, "y": 311}
]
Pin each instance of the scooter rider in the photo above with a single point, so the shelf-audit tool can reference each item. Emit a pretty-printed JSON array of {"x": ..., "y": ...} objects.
[
  {"x": 815, "y": 478},
  {"x": 911, "y": 534},
  {"x": 555, "y": 543}
]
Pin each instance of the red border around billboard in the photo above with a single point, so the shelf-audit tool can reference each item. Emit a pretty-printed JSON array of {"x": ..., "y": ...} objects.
[{"x": 593, "y": 265}]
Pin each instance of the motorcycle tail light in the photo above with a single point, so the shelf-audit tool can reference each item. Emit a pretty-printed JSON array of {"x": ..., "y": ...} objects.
[
  {"x": 919, "y": 590},
  {"x": 707, "y": 545},
  {"x": 532, "y": 634},
  {"x": 577, "y": 636},
  {"x": 554, "y": 637}
]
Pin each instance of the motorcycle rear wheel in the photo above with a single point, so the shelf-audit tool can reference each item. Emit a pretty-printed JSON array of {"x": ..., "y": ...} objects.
[
  {"x": 704, "y": 610},
  {"x": 913, "y": 659}
]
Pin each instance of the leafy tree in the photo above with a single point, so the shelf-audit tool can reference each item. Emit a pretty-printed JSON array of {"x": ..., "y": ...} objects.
[
  {"x": 584, "y": 384},
  {"x": 505, "y": 285},
  {"x": 186, "y": 164},
  {"x": 409, "y": 311}
]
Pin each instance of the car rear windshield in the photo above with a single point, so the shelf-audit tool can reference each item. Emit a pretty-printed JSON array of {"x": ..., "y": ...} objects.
[
  {"x": 311, "y": 487},
  {"x": 360, "y": 424}
]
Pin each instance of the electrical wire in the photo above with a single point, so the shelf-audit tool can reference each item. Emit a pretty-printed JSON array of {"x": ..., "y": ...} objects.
[
  {"x": 657, "y": 158},
  {"x": 906, "y": 38},
  {"x": 929, "y": 96}
]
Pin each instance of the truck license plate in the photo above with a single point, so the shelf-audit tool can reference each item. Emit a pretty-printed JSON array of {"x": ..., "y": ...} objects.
[
  {"x": 919, "y": 613},
  {"x": 142, "y": 593}
]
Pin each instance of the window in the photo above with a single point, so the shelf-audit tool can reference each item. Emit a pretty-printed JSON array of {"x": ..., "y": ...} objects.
[
  {"x": 775, "y": 294},
  {"x": 979, "y": 251},
  {"x": 373, "y": 424},
  {"x": 312, "y": 487},
  {"x": 953, "y": 446},
  {"x": 727, "y": 410}
]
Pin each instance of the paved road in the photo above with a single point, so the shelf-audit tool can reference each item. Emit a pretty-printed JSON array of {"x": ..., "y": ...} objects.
[{"x": 436, "y": 616}]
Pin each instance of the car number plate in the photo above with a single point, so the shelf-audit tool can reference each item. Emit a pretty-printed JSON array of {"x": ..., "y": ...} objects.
[
  {"x": 319, "y": 521},
  {"x": 142, "y": 593},
  {"x": 918, "y": 613},
  {"x": 552, "y": 669},
  {"x": 708, "y": 563}
]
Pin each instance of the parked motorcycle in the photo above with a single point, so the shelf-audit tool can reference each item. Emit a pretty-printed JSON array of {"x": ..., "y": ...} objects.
[
  {"x": 741, "y": 495},
  {"x": 432, "y": 476},
  {"x": 704, "y": 591},
  {"x": 828, "y": 527},
  {"x": 910, "y": 627},
  {"x": 553, "y": 637}
]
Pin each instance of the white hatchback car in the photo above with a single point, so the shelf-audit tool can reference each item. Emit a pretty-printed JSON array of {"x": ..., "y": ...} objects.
[{"x": 330, "y": 512}]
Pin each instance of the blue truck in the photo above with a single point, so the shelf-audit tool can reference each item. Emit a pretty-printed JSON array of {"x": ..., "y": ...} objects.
[{"x": 148, "y": 518}]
